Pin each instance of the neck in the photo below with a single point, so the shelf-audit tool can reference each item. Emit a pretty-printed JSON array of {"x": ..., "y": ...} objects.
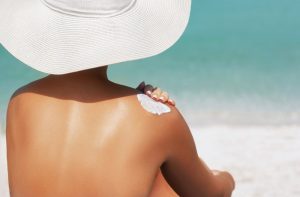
[
  {"x": 82, "y": 80},
  {"x": 99, "y": 74}
]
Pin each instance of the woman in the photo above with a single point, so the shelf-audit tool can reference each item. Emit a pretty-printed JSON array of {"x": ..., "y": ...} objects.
[{"x": 75, "y": 132}]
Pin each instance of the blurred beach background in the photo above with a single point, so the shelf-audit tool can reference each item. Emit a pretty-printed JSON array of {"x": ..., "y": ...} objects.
[{"x": 235, "y": 75}]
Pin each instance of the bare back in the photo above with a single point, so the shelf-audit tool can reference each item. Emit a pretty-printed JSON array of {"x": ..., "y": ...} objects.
[
  {"x": 80, "y": 136},
  {"x": 65, "y": 143}
]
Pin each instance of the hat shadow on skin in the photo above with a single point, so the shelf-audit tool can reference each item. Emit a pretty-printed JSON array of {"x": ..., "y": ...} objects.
[{"x": 88, "y": 86}]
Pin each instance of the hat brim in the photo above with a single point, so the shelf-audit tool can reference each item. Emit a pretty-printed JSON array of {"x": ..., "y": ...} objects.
[{"x": 57, "y": 43}]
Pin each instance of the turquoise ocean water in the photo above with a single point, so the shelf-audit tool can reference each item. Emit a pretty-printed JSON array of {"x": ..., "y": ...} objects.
[{"x": 237, "y": 63}]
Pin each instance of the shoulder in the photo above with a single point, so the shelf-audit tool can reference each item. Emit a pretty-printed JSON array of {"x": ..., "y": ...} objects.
[
  {"x": 176, "y": 135},
  {"x": 165, "y": 123},
  {"x": 21, "y": 92},
  {"x": 175, "y": 127},
  {"x": 22, "y": 96},
  {"x": 165, "y": 129},
  {"x": 166, "y": 119}
]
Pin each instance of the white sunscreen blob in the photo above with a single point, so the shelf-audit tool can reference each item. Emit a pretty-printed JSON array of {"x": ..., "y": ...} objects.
[{"x": 152, "y": 106}]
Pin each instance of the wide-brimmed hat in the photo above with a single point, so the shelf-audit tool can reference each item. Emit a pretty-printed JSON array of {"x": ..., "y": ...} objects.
[{"x": 64, "y": 36}]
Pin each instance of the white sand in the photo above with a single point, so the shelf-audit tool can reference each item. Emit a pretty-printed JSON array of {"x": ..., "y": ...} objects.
[
  {"x": 3, "y": 168},
  {"x": 265, "y": 161}
]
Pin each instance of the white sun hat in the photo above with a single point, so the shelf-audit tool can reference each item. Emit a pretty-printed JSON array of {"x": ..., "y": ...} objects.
[{"x": 64, "y": 36}]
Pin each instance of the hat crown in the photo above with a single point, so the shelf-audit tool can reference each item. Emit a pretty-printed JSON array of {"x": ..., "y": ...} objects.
[{"x": 90, "y": 7}]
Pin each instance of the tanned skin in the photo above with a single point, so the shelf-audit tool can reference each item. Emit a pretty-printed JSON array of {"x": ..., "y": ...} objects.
[{"x": 81, "y": 135}]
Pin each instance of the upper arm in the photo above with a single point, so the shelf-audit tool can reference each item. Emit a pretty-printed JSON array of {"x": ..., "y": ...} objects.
[{"x": 186, "y": 173}]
